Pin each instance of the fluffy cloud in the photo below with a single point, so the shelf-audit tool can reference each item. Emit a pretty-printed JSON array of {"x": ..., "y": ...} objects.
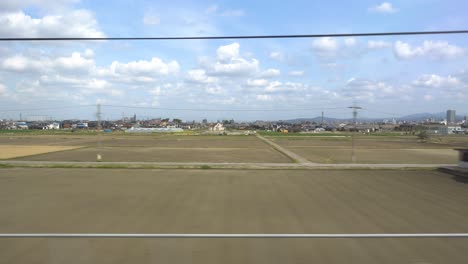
[
  {"x": 77, "y": 23},
  {"x": 384, "y": 7},
  {"x": 330, "y": 48},
  {"x": 325, "y": 46},
  {"x": 277, "y": 86},
  {"x": 14, "y": 5},
  {"x": 229, "y": 63},
  {"x": 269, "y": 73},
  {"x": 431, "y": 49},
  {"x": 369, "y": 90},
  {"x": 257, "y": 82},
  {"x": 436, "y": 81},
  {"x": 22, "y": 63},
  {"x": 228, "y": 52},
  {"x": 199, "y": 76},
  {"x": 153, "y": 67},
  {"x": 236, "y": 67}
]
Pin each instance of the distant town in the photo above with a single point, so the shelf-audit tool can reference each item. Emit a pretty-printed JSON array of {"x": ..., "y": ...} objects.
[{"x": 449, "y": 124}]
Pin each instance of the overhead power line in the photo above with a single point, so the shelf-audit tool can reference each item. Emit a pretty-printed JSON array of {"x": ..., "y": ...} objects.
[
  {"x": 222, "y": 110},
  {"x": 368, "y": 34},
  {"x": 171, "y": 109}
]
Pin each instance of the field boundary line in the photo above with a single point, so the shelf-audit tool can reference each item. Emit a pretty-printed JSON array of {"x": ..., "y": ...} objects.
[{"x": 176, "y": 235}]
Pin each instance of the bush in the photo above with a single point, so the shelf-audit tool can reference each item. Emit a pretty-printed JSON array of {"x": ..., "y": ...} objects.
[{"x": 423, "y": 135}]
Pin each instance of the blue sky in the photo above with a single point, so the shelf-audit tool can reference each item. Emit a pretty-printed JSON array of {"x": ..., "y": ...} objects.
[{"x": 388, "y": 76}]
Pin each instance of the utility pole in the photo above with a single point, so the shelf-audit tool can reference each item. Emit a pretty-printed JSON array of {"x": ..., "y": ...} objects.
[
  {"x": 322, "y": 120},
  {"x": 353, "y": 153},
  {"x": 98, "y": 117}
]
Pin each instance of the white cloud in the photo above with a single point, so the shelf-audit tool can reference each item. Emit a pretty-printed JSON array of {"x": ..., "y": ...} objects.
[
  {"x": 257, "y": 82},
  {"x": 151, "y": 19},
  {"x": 277, "y": 86},
  {"x": 384, "y": 7},
  {"x": 431, "y": 49},
  {"x": 152, "y": 67},
  {"x": 88, "y": 54},
  {"x": 76, "y": 23},
  {"x": 237, "y": 67},
  {"x": 22, "y": 63},
  {"x": 14, "y": 5},
  {"x": 379, "y": 44},
  {"x": 436, "y": 81},
  {"x": 269, "y": 73},
  {"x": 199, "y": 76},
  {"x": 228, "y": 52},
  {"x": 325, "y": 46},
  {"x": 296, "y": 73},
  {"x": 276, "y": 55},
  {"x": 370, "y": 90}
]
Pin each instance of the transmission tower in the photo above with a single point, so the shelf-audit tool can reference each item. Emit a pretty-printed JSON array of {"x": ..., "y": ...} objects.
[
  {"x": 98, "y": 117},
  {"x": 355, "y": 112}
]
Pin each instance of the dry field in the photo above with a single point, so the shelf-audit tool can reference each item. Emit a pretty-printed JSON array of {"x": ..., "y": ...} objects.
[
  {"x": 249, "y": 149},
  {"x": 232, "y": 201},
  {"x": 165, "y": 154},
  {"x": 402, "y": 150},
  {"x": 14, "y": 151},
  {"x": 153, "y": 148}
]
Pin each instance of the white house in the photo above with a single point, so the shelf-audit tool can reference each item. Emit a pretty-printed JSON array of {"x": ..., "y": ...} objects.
[{"x": 217, "y": 127}]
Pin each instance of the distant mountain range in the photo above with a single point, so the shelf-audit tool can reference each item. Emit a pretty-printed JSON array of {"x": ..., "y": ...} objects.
[{"x": 412, "y": 117}]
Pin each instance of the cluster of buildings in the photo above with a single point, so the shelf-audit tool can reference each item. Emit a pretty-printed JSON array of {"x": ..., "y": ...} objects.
[{"x": 447, "y": 126}]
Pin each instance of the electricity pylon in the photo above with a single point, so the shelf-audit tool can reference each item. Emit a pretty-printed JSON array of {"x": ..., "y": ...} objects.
[{"x": 355, "y": 112}]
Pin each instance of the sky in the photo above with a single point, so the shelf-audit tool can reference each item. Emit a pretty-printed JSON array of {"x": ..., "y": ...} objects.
[{"x": 226, "y": 79}]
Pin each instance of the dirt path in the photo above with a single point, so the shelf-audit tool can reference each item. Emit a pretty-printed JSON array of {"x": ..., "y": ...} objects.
[
  {"x": 217, "y": 165},
  {"x": 284, "y": 151}
]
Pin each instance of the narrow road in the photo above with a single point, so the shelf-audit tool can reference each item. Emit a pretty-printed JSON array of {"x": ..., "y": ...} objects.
[{"x": 290, "y": 154}]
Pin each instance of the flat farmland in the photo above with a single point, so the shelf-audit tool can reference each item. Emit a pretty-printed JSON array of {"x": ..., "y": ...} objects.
[
  {"x": 165, "y": 154},
  {"x": 232, "y": 201},
  {"x": 13, "y": 151},
  {"x": 372, "y": 150},
  {"x": 136, "y": 141},
  {"x": 151, "y": 148}
]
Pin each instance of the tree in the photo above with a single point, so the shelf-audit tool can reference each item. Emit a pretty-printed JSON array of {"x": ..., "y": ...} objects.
[
  {"x": 423, "y": 135},
  {"x": 177, "y": 121}
]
